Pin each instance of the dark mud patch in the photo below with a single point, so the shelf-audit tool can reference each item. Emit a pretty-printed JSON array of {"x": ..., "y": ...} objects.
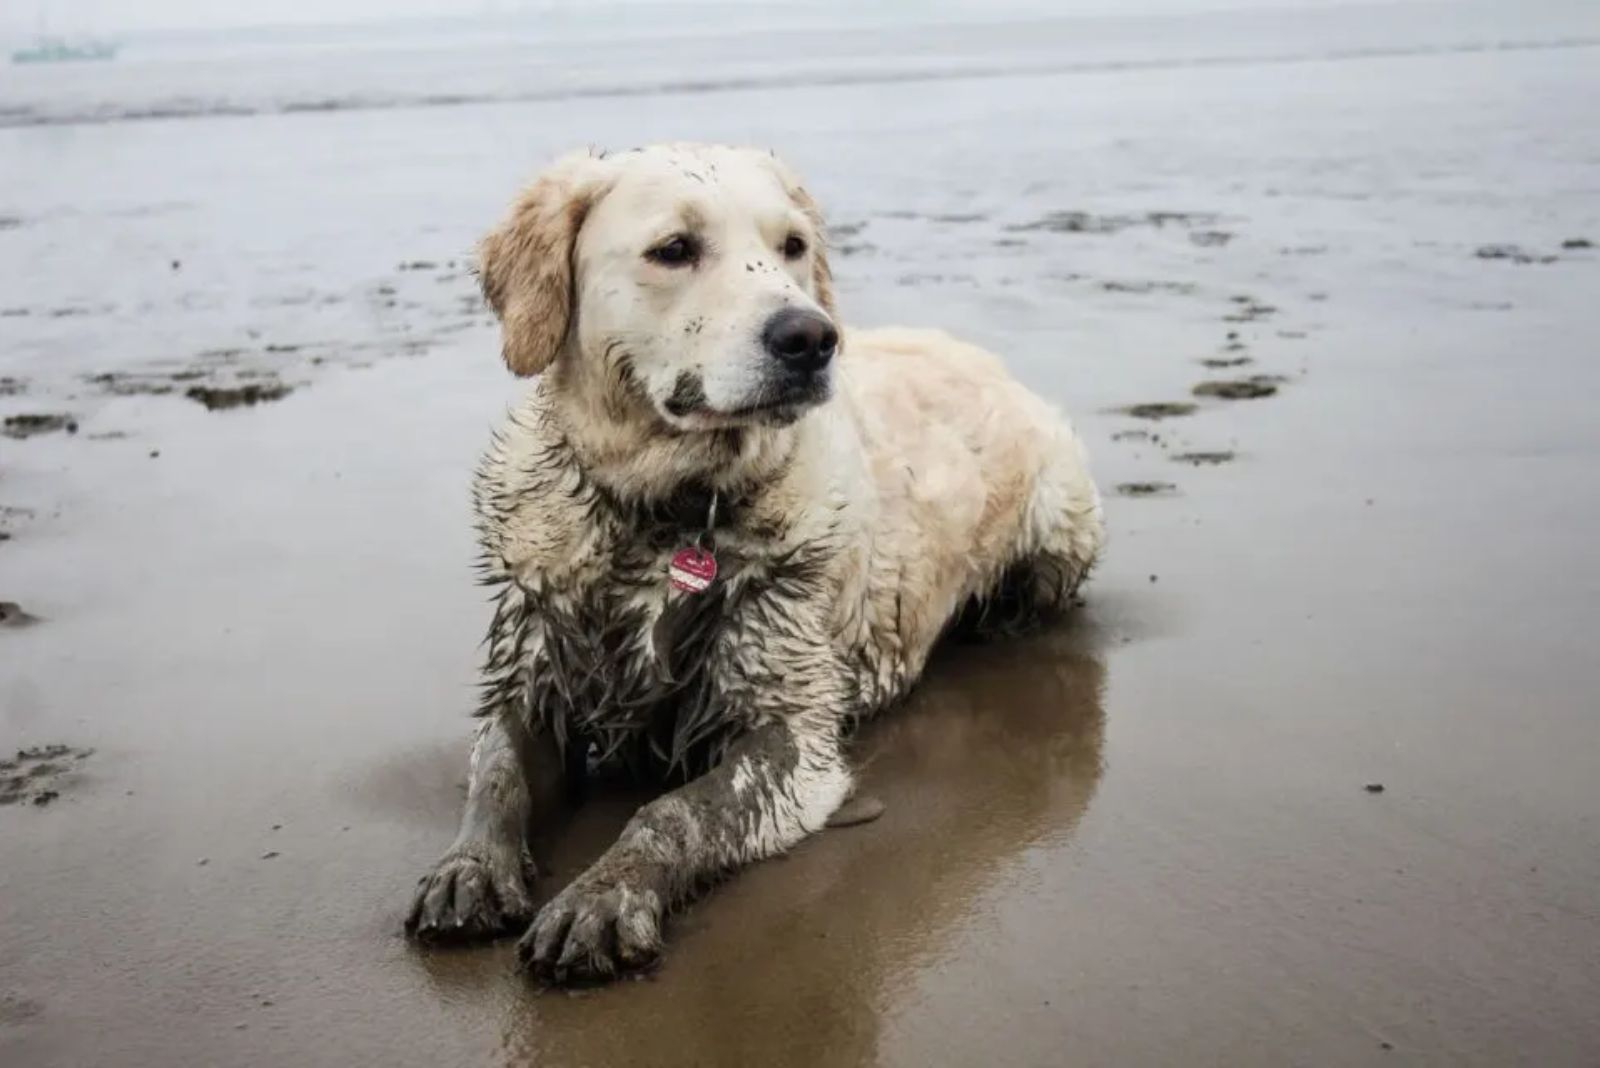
[
  {"x": 12, "y": 615},
  {"x": 1116, "y": 285},
  {"x": 1141, "y": 436},
  {"x": 16, "y": 1009},
  {"x": 1210, "y": 238},
  {"x": 1176, "y": 218},
  {"x": 1513, "y": 254},
  {"x": 849, "y": 229},
  {"x": 30, "y": 425},
  {"x": 1083, "y": 222},
  {"x": 121, "y": 384},
  {"x": 38, "y": 775},
  {"x": 12, "y": 387},
  {"x": 1205, "y": 459},
  {"x": 1252, "y": 388},
  {"x": 1147, "y": 489},
  {"x": 1249, "y": 310},
  {"x": 1159, "y": 410},
  {"x": 1574, "y": 244},
  {"x": 1220, "y": 362},
  {"x": 14, "y": 313},
  {"x": 11, "y": 519},
  {"x": 857, "y": 248},
  {"x": 131, "y": 384},
  {"x": 244, "y": 395}
]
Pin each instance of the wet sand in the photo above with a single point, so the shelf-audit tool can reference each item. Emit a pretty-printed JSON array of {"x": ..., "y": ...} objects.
[{"x": 1146, "y": 838}]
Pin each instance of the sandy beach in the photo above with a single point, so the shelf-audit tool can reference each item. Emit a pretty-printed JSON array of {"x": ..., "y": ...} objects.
[{"x": 1313, "y": 778}]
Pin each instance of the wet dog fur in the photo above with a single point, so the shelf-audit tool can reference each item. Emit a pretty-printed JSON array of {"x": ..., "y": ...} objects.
[{"x": 862, "y": 492}]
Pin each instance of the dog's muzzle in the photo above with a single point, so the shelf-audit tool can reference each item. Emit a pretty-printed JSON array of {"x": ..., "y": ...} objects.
[{"x": 802, "y": 341}]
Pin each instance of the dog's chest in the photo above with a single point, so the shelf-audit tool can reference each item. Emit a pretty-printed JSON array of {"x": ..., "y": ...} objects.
[{"x": 626, "y": 667}]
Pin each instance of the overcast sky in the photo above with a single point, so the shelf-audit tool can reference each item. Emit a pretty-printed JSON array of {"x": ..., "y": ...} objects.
[{"x": 107, "y": 16}]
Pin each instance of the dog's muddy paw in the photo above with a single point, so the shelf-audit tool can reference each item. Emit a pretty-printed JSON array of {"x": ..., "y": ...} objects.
[
  {"x": 474, "y": 893},
  {"x": 593, "y": 931}
]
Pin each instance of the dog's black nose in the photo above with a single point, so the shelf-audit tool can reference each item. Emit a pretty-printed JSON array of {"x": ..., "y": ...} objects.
[{"x": 802, "y": 340}]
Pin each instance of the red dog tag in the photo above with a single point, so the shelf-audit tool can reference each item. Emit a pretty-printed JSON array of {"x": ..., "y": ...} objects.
[{"x": 692, "y": 570}]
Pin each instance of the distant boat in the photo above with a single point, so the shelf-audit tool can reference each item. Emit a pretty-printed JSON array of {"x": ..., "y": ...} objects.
[{"x": 60, "y": 50}]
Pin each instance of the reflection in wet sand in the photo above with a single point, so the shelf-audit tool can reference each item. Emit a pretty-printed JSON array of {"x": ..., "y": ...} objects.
[{"x": 802, "y": 960}]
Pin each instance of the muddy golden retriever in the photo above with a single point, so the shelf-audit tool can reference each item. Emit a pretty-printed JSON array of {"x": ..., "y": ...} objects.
[{"x": 722, "y": 530}]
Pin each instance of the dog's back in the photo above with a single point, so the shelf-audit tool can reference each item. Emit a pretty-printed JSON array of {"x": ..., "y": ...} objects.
[{"x": 974, "y": 481}]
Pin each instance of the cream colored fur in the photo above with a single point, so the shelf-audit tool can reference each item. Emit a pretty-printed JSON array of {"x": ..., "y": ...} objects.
[
  {"x": 916, "y": 479},
  {"x": 947, "y": 469}
]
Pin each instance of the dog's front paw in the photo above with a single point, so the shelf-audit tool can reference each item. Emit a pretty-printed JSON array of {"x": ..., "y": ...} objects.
[
  {"x": 593, "y": 931},
  {"x": 475, "y": 892}
]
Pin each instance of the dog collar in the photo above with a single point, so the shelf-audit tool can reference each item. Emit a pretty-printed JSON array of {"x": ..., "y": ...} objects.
[{"x": 693, "y": 568}]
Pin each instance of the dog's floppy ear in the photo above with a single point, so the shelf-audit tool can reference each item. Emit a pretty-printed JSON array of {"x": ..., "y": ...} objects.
[
  {"x": 525, "y": 264},
  {"x": 821, "y": 276}
]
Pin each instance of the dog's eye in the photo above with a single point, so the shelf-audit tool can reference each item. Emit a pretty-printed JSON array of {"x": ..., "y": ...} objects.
[
  {"x": 677, "y": 251},
  {"x": 794, "y": 246}
]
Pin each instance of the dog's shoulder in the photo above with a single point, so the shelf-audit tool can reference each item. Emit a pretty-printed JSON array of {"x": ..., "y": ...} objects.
[{"x": 534, "y": 507}]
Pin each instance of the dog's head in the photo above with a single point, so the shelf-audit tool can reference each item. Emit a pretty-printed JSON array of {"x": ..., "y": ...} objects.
[{"x": 688, "y": 278}]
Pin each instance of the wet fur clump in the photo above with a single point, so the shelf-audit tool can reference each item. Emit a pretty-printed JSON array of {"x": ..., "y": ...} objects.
[{"x": 618, "y": 668}]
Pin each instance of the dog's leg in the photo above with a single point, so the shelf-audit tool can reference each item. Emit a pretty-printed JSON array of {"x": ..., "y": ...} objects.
[
  {"x": 777, "y": 784},
  {"x": 479, "y": 888},
  {"x": 1063, "y": 527}
]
